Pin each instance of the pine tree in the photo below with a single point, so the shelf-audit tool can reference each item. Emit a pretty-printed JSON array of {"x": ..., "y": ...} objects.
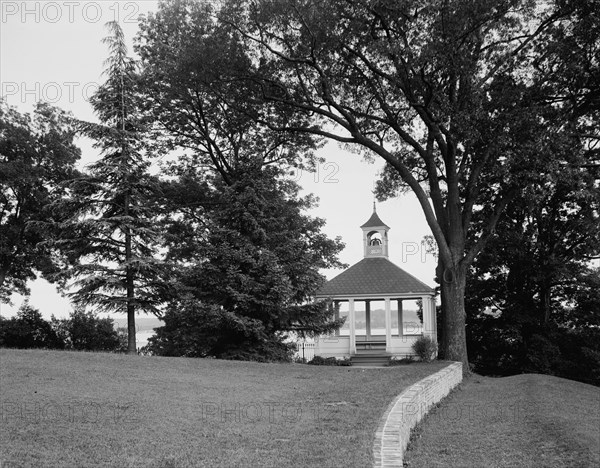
[{"x": 110, "y": 237}]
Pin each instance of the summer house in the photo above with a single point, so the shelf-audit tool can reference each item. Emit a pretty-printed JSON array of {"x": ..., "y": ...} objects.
[{"x": 381, "y": 303}]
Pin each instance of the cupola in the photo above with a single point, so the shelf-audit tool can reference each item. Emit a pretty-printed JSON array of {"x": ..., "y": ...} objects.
[{"x": 375, "y": 236}]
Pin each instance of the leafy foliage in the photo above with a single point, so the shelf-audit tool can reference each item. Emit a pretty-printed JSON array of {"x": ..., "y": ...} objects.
[
  {"x": 247, "y": 255},
  {"x": 400, "y": 362},
  {"x": 533, "y": 298},
  {"x": 187, "y": 60},
  {"x": 37, "y": 155},
  {"x": 247, "y": 273},
  {"x": 28, "y": 330},
  {"x": 330, "y": 361},
  {"x": 87, "y": 332},
  {"x": 425, "y": 348},
  {"x": 452, "y": 95},
  {"x": 81, "y": 331}
]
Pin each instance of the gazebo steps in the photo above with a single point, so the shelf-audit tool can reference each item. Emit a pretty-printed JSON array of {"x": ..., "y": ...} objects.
[
  {"x": 371, "y": 352},
  {"x": 370, "y": 360},
  {"x": 377, "y": 346}
]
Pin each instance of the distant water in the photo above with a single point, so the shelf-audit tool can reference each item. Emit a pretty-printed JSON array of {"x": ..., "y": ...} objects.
[
  {"x": 144, "y": 326},
  {"x": 142, "y": 337},
  {"x": 409, "y": 329}
]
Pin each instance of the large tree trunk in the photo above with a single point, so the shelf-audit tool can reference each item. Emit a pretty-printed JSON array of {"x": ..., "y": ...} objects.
[{"x": 454, "y": 346}]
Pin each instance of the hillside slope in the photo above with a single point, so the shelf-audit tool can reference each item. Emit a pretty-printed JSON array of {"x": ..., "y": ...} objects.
[
  {"x": 528, "y": 420},
  {"x": 64, "y": 409}
]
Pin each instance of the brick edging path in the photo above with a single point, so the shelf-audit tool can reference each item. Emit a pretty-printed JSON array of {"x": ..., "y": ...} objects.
[{"x": 407, "y": 409}]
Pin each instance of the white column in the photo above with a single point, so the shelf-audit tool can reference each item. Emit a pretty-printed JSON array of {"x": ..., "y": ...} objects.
[
  {"x": 428, "y": 318},
  {"x": 432, "y": 331},
  {"x": 388, "y": 326},
  {"x": 368, "y": 320},
  {"x": 352, "y": 318},
  {"x": 400, "y": 319}
]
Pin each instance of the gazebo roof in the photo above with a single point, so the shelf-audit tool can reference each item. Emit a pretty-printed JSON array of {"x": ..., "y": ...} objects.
[
  {"x": 374, "y": 221},
  {"x": 376, "y": 276}
]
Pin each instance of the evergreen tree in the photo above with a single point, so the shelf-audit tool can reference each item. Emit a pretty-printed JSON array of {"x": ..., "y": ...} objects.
[
  {"x": 110, "y": 237},
  {"x": 248, "y": 272},
  {"x": 248, "y": 257}
]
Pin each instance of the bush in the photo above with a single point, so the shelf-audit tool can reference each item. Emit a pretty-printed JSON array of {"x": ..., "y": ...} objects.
[
  {"x": 90, "y": 333},
  {"x": 401, "y": 362},
  {"x": 330, "y": 361},
  {"x": 28, "y": 330},
  {"x": 425, "y": 348},
  {"x": 195, "y": 329}
]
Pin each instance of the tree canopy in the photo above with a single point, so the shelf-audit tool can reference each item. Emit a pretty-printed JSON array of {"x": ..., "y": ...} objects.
[
  {"x": 37, "y": 154},
  {"x": 449, "y": 94},
  {"x": 248, "y": 256},
  {"x": 486, "y": 110}
]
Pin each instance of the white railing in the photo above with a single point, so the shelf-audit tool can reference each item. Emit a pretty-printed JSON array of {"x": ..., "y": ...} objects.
[{"x": 305, "y": 350}]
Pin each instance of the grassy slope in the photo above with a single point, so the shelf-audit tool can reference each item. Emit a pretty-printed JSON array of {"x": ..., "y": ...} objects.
[
  {"x": 87, "y": 409},
  {"x": 527, "y": 420}
]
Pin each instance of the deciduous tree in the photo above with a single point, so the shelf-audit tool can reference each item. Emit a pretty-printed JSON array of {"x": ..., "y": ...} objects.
[
  {"x": 37, "y": 154},
  {"x": 249, "y": 255},
  {"x": 533, "y": 287},
  {"x": 28, "y": 330},
  {"x": 441, "y": 91}
]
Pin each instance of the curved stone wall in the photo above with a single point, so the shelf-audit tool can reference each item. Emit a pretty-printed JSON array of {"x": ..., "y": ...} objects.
[{"x": 407, "y": 409}]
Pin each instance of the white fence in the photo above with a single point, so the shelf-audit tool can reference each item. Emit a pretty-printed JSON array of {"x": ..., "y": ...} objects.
[{"x": 305, "y": 350}]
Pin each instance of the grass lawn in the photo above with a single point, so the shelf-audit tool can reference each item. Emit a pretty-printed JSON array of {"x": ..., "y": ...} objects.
[
  {"x": 93, "y": 409},
  {"x": 528, "y": 420}
]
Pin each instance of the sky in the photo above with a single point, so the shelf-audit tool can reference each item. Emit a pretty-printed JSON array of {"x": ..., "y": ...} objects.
[{"x": 52, "y": 51}]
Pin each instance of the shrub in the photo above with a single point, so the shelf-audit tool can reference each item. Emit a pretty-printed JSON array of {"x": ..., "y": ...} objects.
[
  {"x": 401, "y": 362},
  {"x": 90, "y": 333},
  {"x": 330, "y": 361},
  {"x": 28, "y": 330},
  {"x": 195, "y": 329},
  {"x": 425, "y": 348}
]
